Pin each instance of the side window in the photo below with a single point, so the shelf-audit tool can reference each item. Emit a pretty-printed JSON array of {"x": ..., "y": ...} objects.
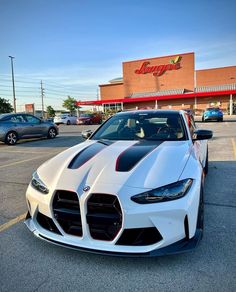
[
  {"x": 17, "y": 119},
  {"x": 32, "y": 119},
  {"x": 112, "y": 128}
]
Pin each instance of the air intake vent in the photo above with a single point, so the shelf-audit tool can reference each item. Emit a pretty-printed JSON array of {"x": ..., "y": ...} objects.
[
  {"x": 104, "y": 216},
  {"x": 66, "y": 211},
  {"x": 139, "y": 236},
  {"x": 47, "y": 223}
]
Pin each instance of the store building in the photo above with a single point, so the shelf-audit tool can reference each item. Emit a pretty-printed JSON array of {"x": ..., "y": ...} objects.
[{"x": 169, "y": 82}]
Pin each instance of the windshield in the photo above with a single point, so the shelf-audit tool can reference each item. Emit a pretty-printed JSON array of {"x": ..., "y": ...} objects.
[
  {"x": 148, "y": 126},
  {"x": 3, "y": 116}
]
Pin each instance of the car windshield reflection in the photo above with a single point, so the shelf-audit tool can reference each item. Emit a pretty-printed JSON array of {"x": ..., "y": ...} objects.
[{"x": 150, "y": 126}]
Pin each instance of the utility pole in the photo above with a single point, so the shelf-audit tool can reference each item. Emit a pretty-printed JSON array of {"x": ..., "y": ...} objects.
[
  {"x": 13, "y": 83},
  {"x": 42, "y": 96}
]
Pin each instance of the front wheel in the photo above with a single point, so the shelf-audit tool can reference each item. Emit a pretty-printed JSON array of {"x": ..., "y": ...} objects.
[
  {"x": 11, "y": 138},
  {"x": 52, "y": 133},
  {"x": 68, "y": 122}
]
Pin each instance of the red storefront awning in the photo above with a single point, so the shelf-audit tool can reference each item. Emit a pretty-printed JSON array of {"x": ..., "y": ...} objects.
[{"x": 150, "y": 98}]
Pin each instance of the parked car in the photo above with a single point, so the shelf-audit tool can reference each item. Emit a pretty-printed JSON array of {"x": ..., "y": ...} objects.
[
  {"x": 212, "y": 114},
  {"x": 65, "y": 119},
  {"x": 21, "y": 126},
  {"x": 135, "y": 187},
  {"x": 88, "y": 119}
]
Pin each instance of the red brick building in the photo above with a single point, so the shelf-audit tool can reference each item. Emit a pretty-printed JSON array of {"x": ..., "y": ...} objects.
[{"x": 169, "y": 82}]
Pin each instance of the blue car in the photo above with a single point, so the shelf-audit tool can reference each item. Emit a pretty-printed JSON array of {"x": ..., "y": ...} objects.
[{"x": 212, "y": 113}]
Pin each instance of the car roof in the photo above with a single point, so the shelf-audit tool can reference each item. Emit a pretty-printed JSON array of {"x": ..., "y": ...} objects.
[{"x": 3, "y": 116}]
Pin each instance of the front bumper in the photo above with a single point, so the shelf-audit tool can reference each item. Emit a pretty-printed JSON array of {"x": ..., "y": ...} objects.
[
  {"x": 169, "y": 218},
  {"x": 181, "y": 246},
  {"x": 213, "y": 118}
]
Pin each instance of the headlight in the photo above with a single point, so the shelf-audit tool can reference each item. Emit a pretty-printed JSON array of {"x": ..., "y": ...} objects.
[
  {"x": 167, "y": 193},
  {"x": 38, "y": 184}
]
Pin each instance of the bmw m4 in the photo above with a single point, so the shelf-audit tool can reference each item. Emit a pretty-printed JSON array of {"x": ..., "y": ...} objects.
[{"x": 133, "y": 188}]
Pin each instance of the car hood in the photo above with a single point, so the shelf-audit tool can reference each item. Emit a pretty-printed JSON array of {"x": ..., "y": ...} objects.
[{"x": 129, "y": 164}]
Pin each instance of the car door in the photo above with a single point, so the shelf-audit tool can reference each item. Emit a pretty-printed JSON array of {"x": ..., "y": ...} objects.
[
  {"x": 35, "y": 127},
  {"x": 72, "y": 119},
  {"x": 18, "y": 124}
]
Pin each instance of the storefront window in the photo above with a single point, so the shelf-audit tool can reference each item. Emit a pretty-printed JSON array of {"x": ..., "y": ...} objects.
[{"x": 115, "y": 107}]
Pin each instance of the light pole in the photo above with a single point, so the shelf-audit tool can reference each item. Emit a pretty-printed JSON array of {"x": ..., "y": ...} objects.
[{"x": 13, "y": 83}]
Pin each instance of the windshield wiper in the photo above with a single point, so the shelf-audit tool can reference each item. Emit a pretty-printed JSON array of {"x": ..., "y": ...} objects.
[{"x": 105, "y": 142}]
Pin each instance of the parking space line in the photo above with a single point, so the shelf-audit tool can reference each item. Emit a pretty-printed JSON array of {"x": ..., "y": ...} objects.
[
  {"x": 22, "y": 161},
  {"x": 12, "y": 222},
  {"x": 234, "y": 147}
]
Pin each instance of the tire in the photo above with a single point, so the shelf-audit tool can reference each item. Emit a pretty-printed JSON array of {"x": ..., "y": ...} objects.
[
  {"x": 52, "y": 132},
  {"x": 203, "y": 119},
  {"x": 68, "y": 123},
  {"x": 11, "y": 138},
  {"x": 200, "y": 217},
  {"x": 206, "y": 164}
]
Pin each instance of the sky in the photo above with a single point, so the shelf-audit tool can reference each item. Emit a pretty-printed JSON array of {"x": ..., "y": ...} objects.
[{"x": 74, "y": 45}]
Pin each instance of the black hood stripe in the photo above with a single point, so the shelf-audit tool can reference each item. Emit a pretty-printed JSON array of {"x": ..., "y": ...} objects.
[
  {"x": 131, "y": 156},
  {"x": 86, "y": 154}
]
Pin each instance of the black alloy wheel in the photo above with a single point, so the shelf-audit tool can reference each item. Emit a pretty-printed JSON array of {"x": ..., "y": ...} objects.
[
  {"x": 52, "y": 133},
  {"x": 11, "y": 138}
]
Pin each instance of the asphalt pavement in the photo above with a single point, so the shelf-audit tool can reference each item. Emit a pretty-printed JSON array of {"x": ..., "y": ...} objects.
[{"x": 29, "y": 264}]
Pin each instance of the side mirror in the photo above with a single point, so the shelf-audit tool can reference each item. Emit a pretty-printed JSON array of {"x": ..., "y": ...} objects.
[
  {"x": 202, "y": 134},
  {"x": 86, "y": 134}
]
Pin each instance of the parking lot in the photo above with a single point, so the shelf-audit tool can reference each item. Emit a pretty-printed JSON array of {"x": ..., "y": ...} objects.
[{"x": 29, "y": 264}]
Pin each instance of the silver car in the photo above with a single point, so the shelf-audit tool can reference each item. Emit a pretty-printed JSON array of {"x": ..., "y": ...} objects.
[{"x": 22, "y": 126}]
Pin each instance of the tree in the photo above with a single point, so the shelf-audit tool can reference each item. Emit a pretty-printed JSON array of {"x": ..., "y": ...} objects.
[
  {"x": 50, "y": 111},
  {"x": 5, "y": 106},
  {"x": 70, "y": 104}
]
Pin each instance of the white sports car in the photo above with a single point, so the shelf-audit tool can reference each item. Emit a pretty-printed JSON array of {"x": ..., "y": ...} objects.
[{"x": 134, "y": 187}]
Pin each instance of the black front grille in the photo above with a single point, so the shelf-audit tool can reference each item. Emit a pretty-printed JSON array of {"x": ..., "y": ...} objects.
[
  {"x": 139, "y": 236},
  {"x": 104, "y": 216},
  {"x": 47, "y": 223},
  {"x": 66, "y": 211}
]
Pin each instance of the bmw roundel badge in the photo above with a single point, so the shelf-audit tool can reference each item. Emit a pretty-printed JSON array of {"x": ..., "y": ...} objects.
[{"x": 86, "y": 188}]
